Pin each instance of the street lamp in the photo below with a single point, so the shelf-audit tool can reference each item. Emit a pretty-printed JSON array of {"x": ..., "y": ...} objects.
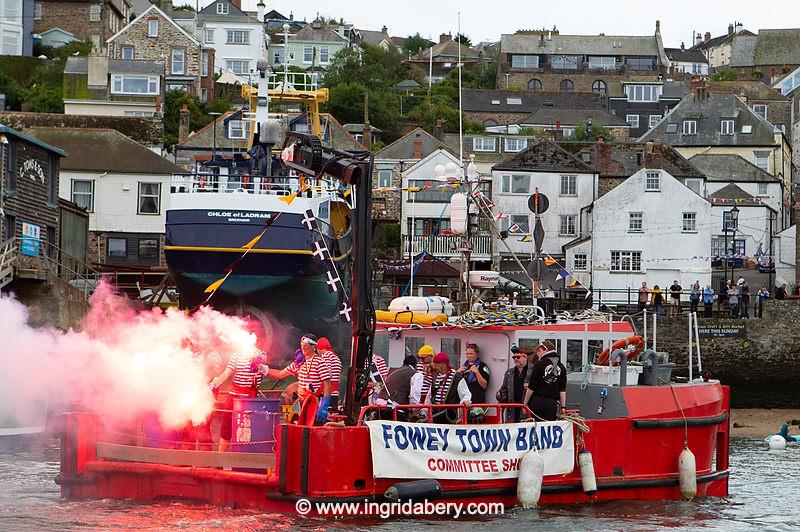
[{"x": 734, "y": 221}]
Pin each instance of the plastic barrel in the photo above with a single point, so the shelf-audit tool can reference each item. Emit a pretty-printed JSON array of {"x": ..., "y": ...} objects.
[{"x": 255, "y": 420}]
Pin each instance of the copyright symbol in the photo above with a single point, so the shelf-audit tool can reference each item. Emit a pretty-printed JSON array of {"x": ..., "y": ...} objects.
[{"x": 303, "y": 506}]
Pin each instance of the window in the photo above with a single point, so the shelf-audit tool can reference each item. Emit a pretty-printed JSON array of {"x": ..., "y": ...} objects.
[
  {"x": 524, "y": 61},
  {"x": 515, "y": 184},
  {"x": 222, "y": 8},
  {"x": 203, "y": 94},
  {"x": 209, "y": 36},
  {"x": 238, "y": 37},
  {"x": 384, "y": 177},
  {"x": 513, "y": 145},
  {"x": 761, "y": 110},
  {"x": 640, "y": 63},
  {"x": 727, "y": 127},
  {"x": 632, "y": 120},
  {"x": 11, "y": 43},
  {"x": 308, "y": 53},
  {"x": 600, "y": 87},
  {"x": 635, "y": 222},
  {"x": 535, "y": 85},
  {"x": 483, "y": 144},
  {"x": 236, "y": 129},
  {"x": 567, "y": 225},
  {"x": 117, "y": 247},
  {"x": 652, "y": 182},
  {"x": 689, "y": 222},
  {"x": 672, "y": 128},
  {"x": 695, "y": 185},
  {"x": 128, "y": 84},
  {"x": 238, "y": 66},
  {"x": 152, "y": 27},
  {"x": 762, "y": 159},
  {"x": 762, "y": 189},
  {"x": 626, "y": 261},
  {"x": 148, "y": 248},
  {"x": 566, "y": 86},
  {"x": 643, "y": 93},
  {"x": 94, "y": 12},
  {"x": 747, "y": 128},
  {"x": 564, "y": 62},
  {"x": 37, "y": 11},
  {"x": 569, "y": 185},
  {"x": 204, "y": 64},
  {"x": 602, "y": 62},
  {"x": 727, "y": 223},
  {"x": 522, "y": 223},
  {"x": 324, "y": 54},
  {"x": 127, "y": 52},
  {"x": 653, "y": 121},
  {"x": 82, "y": 193},
  {"x": 178, "y": 61},
  {"x": 514, "y": 101},
  {"x": 149, "y": 198},
  {"x": 580, "y": 262},
  {"x": 690, "y": 127}
]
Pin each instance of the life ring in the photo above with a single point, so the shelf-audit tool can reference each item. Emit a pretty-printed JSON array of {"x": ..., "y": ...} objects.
[{"x": 637, "y": 342}]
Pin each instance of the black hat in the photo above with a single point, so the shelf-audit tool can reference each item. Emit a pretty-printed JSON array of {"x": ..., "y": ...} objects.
[
  {"x": 515, "y": 348},
  {"x": 410, "y": 360}
]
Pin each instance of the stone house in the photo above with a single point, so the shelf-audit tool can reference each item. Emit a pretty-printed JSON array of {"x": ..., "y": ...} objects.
[
  {"x": 685, "y": 62},
  {"x": 95, "y": 20},
  {"x": 487, "y": 149},
  {"x": 731, "y": 47},
  {"x": 562, "y": 122},
  {"x": 123, "y": 186},
  {"x": 545, "y": 60},
  {"x": 768, "y": 56},
  {"x": 153, "y": 36}
]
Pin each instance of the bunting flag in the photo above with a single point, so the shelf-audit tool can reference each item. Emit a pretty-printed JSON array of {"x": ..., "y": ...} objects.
[
  {"x": 253, "y": 242},
  {"x": 321, "y": 252},
  {"x": 562, "y": 273},
  {"x": 500, "y": 216},
  {"x": 573, "y": 284},
  {"x": 549, "y": 261},
  {"x": 514, "y": 229},
  {"x": 288, "y": 199},
  {"x": 526, "y": 238},
  {"x": 210, "y": 289}
]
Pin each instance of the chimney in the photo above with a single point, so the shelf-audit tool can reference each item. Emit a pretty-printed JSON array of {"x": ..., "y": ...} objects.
[
  {"x": 698, "y": 39},
  {"x": 438, "y": 129},
  {"x": 417, "y": 147},
  {"x": 98, "y": 68},
  {"x": 367, "y": 133},
  {"x": 261, "y": 9},
  {"x": 603, "y": 154},
  {"x": 183, "y": 123},
  {"x": 683, "y": 46},
  {"x": 707, "y": 36},
  {"x": 730, "y": 29},
  {"x": 738, "y": 27},
  {"x": 658, "y": 27},
  {"x": 445, "y": 37},
  {"x": 653, "y": 155},
  {"x": 385, "y": 30}
]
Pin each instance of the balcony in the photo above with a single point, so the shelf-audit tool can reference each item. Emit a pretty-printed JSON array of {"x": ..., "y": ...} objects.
[{"x": 448, "y": 246}]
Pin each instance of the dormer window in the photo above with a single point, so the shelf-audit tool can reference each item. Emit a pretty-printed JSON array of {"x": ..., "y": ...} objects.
[
  {"x": 727, "y": 127},
  {"x": 222, "y": 8}
]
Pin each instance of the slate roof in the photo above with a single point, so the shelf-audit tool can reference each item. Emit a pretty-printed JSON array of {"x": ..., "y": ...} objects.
[
  {"x": 544, "y": 155},
  {"x": 716, "y": 41},
  {"x": 708, "y": 113},
  {"x": 627, "y": 158},
  {"x": 80, "y": 65},
  {"x": 407, "y": 84},
  {"x": 730, "y": 167},
  {"x": 580, "y": 45},
  {"x": 209, "y": 13},
  {"x": 447, "y": 52},
  {"x": 403, "y": 148},
  {"x": 374, "y": 37},
  {"x": 685, "y": 55},
  {"x": 752, "y": 90},
  {"x": 733, "y": 192},
  {"x": 570, "y": 117},
  {"x": 318, "y": 32},
  {"x": 5, "y": 130},
  {"x": 104, "y": 150},
  {"x": 481, "y": 100},
  {"x": 777, "y": 47}
]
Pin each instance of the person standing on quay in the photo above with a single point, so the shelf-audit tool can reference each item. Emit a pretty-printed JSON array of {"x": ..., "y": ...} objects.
[
  {"x": 694, "y": 296},
  {"x": 644, "y": 293},
  {"x": 657, "y": 299},
  {"x": 708, "y": 301},
  {"x": 733, "y": 299},
  {"x": 744, "y": 300},
  {"x": 675, "y": 292}
]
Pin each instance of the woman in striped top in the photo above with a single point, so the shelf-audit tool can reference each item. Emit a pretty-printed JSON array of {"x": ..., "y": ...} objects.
[{"x": 245, "y": 384}]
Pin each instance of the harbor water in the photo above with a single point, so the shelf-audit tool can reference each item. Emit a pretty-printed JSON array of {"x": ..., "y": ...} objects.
[{"x": 764, "y": 494}]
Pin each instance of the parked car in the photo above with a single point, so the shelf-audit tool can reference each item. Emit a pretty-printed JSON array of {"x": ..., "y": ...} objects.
[{"x": 766, "y": 264}]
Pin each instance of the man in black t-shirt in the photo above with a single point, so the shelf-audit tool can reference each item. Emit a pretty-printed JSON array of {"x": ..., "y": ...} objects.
[
  {"x": 547, "y": 384},
  {"x": 675, "y": 298}
]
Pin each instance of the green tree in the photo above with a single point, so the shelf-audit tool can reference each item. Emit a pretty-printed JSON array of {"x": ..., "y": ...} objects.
[
  {"x": 582, "y": 132},
  {"x": 414, "y": 43},
  {"x": 199, "y": 113},
  {"x": 463, "y": 39},
  {"x": 725, "y": 75}
]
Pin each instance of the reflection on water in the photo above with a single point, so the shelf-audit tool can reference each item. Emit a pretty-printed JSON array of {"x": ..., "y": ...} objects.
[{"x": 764, "y": 495}]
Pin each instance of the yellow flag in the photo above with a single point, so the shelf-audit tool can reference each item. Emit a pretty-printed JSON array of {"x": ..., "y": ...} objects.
[
  {"x": 573, "y": 284},
  {"x": 213, "y": 286},
  {"x": 549, "y": 260},
  {"x": 288, "y": 199},
  {"x": 253, "y": 242}
]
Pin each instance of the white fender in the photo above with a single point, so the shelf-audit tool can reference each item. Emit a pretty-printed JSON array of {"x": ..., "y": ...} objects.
[
  {"x": 687, "y": 474},
  {"x": 776, "y": 442},
  {"x": 529, "y": 483},
  {"x": 587, "y": 472}
]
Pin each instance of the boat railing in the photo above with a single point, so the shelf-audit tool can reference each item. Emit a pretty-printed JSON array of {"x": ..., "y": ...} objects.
[
  {"x": 191, "y": 183},
  {"x": 462, "y": 408},
  {"x": 293, "y": 81}
]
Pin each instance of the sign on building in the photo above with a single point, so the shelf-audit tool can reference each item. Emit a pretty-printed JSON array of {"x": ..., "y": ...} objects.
[{"x": 31, "y": 242}]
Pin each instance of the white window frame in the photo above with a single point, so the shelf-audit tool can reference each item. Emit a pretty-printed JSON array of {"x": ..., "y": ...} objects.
[
  {"x": 689, "y": 222},
  {"x": 324, "y": 54},
  {"x": 580, "y": 262},
  {"x": 514, "y": 100},
  {"x": 747, "y": 128},
  {"x": 633, "y": 121},
  {"x": 384, "y": 177},
  {"x": 672, "y": 126},
  {"x": 480, "y": 144},
  {"x": 649, "y": 179},
  {"x": 568, "y": 185},
  {"x": 519, "y": 144},
  {"x": 152, "y": 27},
  {"x": 689, "y": 127},
  {"x": 237, "y": 129},
  {"x": 636, "y": 222},
  {"x": 763, "y": 189},
  {"x": 653, "y": 121},
  {"x": 568, "y": 225},
  {"x": 760, "y": 109},
  {"x": 118, "y": 84},
  {"x": 759, "y": 157},
  {"x": 237, "y": 37},
  {"x": 308, "y": 53},
  {"x": 643, "y": 93},
  {"x": 208, "y": 36},
  {"x": 229, "y": 65},
  {"x": 204, "y": 61},
  {"x": 626, "y": 261},
  {"x": 178, "y": 52},
  {"x": 203, "y": 94},
  {"x": 95, "y": 12},
  {"x": 74, "y": 194},
  {"x": 524, "y": 61},
  {"x": 222, "y": 8},
  {"x": 507, "y": 181},
  {"x": 157, "y": 197},
  {"x": 126, "y": 48},
  {"x": 37, "y": 11},
  {"x": 727, "y": 126}
]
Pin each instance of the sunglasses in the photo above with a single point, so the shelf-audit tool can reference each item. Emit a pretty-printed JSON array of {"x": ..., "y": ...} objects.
[{"x": 516, "y": 357}]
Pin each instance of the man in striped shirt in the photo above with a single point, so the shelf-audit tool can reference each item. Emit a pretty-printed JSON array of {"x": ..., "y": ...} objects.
[
  {"x": 200, "y": 433},
  {"x": 335, "y": 367},
  {"x": 245, "y": 384},
  {"x": 421, "y": 382}
]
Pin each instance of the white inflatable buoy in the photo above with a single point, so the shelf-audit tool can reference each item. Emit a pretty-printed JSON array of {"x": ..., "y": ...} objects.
[
  {"x": 687, "y": 474},
  {"x": 529, "y": 483},
  {"x": 587, "y": 472},
  {"x": 776, "y": 442}
]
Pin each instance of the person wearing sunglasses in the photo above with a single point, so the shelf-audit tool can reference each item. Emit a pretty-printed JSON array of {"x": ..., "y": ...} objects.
[{"x": 513, "y": 387}]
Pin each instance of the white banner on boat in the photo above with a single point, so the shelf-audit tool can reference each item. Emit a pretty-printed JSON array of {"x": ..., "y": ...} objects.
[{"x": 469, "y": 452}]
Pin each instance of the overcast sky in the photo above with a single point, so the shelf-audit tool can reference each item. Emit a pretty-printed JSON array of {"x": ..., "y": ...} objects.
[{"x": 486, "y": 21}]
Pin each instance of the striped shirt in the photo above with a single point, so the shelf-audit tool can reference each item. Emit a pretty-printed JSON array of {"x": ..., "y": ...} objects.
[
  {"x": 242, "y": 376},
  {"x": 427, "y": 380},
  {"x": 441, "y": 387},
  {"x": 380, "y": 364},
  {"x": 334, "y": 369},
  {"x": 311, "y": 373}
]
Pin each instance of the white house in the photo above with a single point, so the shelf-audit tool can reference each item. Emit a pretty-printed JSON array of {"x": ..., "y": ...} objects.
[
  {"x": 569, "y": 184},
  {"x": 122, "y": 185},
  {"x": 235, "y": 36},
  {"x": 425, "y": 214},
  {"x": 650, "y": 228}
]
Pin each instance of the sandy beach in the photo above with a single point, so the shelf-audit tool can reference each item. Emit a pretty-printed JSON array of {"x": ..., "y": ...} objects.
[{"x": 761, "y": 422}]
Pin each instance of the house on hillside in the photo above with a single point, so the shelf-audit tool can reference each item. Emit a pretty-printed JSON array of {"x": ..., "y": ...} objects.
[
  {"x": 770, "y": 55},
  {"x": 735, "y": 46},
  {"x": 381, "y": 39},
  {"x": 235, "y": 36},
  {"x": 545, "y": 60},
  {"x": 643, "y": 105},
  {"x": 124, "y": 188},
  {"x": 97, "y": 85},
  {"x": 312, "y": 48},
  {"x": 687, "y": 62},
  {"x": 766, "y": 102},
  {"x": 16, "y": 26},
  {"x": 562, "y": 122},
  {"x": 444, "y": 56},
  {"x": 94, "y": 21}
]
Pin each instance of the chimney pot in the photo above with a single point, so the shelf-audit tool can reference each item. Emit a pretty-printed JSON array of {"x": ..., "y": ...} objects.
[
  {"x": 707, "y": 36},
  {"x": 184, "y": 123},
  {"x": 385, "y": 30},
  {"x": 418, "y": 147},
  {"x": 445, "y": 37},
  {"x": 730, "y": 29},
  {"x": 367, "y": 135}
]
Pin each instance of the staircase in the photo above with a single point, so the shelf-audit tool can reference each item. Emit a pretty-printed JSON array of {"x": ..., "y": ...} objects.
[{"x": 8, "y": 252}]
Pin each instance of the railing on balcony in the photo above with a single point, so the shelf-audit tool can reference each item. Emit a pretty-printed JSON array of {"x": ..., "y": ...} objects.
[{"x": 448, "y": 246}]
